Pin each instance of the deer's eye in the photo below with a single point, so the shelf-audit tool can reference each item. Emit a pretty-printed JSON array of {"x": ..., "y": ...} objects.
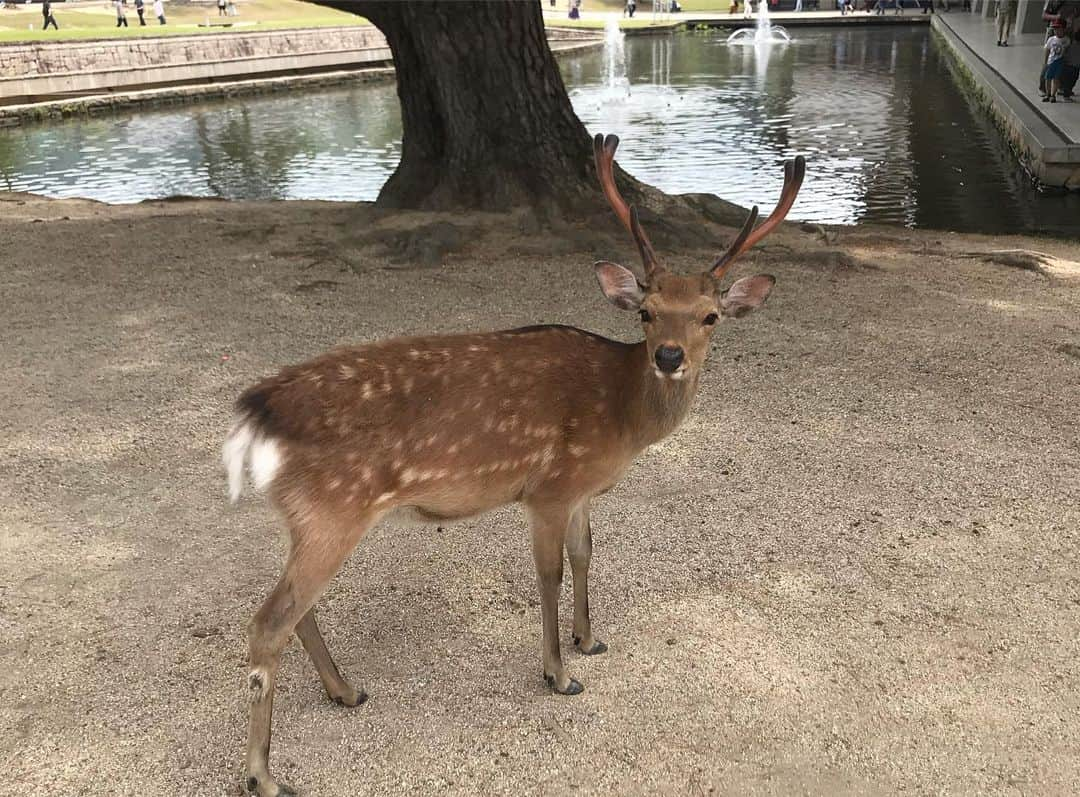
[
  {"x": 710, "y": 319},
  {"x": 646, "y": 316}
]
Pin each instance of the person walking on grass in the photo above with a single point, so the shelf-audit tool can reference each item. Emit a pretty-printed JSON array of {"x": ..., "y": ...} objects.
[
  {"x": 46, "y": 12},
  {"x": 221, "y": 8},
  {"x": 1005, "y": 17},
  {"x": 1055, "y": 59},
  {"x": 159, "y": 11},
  {"x": 121, "y": 14},
  {"x": 140, "y": 11}
]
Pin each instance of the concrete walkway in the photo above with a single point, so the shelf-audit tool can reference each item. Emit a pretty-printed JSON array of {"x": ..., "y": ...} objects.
[
  {"x": 646, "y": 20},
  {"x": 1047, "y": 136}
]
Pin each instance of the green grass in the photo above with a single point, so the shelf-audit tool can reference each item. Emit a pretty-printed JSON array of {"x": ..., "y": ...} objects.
[
  {"x": 642, "y": 19},
  {"x": 599, "y": 23},
  {"x": 96, "y": 20}
]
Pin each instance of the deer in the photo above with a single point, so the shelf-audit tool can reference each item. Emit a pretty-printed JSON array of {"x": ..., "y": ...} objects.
[{"x": 451, "y": 426}]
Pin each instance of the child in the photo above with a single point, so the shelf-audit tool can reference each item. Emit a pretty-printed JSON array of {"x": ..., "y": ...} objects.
[{"x": 1055, "y": 59}]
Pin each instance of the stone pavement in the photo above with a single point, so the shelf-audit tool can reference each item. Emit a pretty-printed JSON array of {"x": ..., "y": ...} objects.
[{"x": 1047, "y": 136}]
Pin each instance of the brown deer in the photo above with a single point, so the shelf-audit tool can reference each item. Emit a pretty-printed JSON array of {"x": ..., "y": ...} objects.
[{"x": 456, "y": 425}]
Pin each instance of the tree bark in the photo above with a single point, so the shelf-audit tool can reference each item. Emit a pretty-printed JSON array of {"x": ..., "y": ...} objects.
[{"x": 486, "y": 120}]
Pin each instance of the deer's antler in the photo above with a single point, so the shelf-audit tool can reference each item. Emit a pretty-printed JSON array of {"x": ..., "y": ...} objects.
[
  {"x": 604, "y": 153},
  {"x": 794, "y": 171}
]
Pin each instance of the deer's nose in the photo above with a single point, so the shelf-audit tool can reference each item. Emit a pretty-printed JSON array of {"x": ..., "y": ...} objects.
[{"x": 669, "y": 358}]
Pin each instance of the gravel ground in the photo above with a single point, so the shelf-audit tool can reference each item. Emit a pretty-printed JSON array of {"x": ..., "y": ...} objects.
[{"x": 853, "y": 570}]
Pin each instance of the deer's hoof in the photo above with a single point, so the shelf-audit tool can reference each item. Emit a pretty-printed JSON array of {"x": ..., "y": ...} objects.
[
  {"x": 269, "y": 788},
  {"x": 357, "y": 698},
  {"x": 572, "y": 687},
  {"x": 597, "y": 648}
]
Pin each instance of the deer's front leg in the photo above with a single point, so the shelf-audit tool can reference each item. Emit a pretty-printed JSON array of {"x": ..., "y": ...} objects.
[
  {"x": 548, "y": 525},
  {"x": 579, "y": 549}
]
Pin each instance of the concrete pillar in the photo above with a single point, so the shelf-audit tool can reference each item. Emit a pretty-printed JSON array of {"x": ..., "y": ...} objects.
[
  {"x": 1029, "y": 18},
  {"x": 989, "y": 7}
]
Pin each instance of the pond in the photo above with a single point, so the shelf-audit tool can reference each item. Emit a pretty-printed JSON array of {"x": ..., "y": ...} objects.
[{"x": 887, "y": 134}]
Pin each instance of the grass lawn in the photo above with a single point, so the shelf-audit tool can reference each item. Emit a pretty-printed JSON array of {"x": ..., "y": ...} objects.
[
  {"x": 599, "y": 24},
  {"x": 97, "y": 20},
  {"x": 595, "y": 13}
]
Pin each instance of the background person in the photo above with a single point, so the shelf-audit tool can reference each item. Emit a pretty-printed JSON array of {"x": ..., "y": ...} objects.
[
  {"x": 1065, "y": 10},
  {"x": 1055, "y": 11},
  {"x": 159, "y": 11},
  {"x": 47, "y": 14},
  {"x": 1070, "y": 69},
  {"x": 1055, "y": 59},
  {"x": 1005, "y": 17}
]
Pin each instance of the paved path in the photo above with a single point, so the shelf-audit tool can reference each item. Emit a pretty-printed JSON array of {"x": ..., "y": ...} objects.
[
  {"x": 787, "y": 19},
  {"x": 1046, "y": 136},
  {"x": 1019, "y": 65}
]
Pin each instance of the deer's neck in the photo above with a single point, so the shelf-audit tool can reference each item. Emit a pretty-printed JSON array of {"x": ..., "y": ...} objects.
[{"x": 655, "y": 406}]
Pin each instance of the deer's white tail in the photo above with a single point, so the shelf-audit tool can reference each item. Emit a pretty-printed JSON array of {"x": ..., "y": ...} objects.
[{"x": 245, "y": 446}]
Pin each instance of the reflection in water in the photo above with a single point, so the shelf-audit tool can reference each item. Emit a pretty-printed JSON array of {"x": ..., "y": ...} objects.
[
  {"x": 339, "y": 144},
  {"x": 887, "y": 136}
]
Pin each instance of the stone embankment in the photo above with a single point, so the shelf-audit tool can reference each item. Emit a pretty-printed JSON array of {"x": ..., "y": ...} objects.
[
  {"x": 37, "y": 71},
  {"x": 43, "y": 80}
]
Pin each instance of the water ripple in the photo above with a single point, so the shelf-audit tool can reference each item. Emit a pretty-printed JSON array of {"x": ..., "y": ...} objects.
[{"x": 887, "y": 136}]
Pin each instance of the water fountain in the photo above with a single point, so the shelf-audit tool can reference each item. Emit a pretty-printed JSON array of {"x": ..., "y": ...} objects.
[
  {"x": 763, "y": 32},
  {"x": 618, "y": 85}
]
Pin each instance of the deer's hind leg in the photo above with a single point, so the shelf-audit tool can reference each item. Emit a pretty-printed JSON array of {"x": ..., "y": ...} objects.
[
  {"x": 319, "y": 547},
  {"x": 337, "y": 688}
]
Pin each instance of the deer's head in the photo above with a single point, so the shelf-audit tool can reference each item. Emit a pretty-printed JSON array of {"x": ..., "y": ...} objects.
[{"x": 679, "y": 313}]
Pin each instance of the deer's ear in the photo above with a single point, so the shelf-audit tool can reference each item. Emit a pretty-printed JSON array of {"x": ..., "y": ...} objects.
[
  {"x": 619, "y": 285},
  {"x": 746, "y": 294}
]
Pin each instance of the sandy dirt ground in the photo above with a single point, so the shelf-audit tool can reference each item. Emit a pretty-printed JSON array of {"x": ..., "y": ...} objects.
[{"x": 853, "y": 570}]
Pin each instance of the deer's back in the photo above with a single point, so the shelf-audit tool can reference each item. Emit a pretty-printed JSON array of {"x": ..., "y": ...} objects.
[{"x": 438, "y": 421}]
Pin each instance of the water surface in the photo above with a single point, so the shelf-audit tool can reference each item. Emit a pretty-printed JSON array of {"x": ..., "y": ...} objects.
[{"x": 887, "y": 134}]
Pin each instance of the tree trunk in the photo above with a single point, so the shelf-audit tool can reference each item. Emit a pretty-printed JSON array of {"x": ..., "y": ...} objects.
[{"x": 487, "y": 123}]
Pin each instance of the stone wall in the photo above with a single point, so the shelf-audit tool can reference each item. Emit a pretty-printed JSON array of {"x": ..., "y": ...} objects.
[
  {"x": 46, "y": 69},
  {"x": 51, "y": 58}
]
